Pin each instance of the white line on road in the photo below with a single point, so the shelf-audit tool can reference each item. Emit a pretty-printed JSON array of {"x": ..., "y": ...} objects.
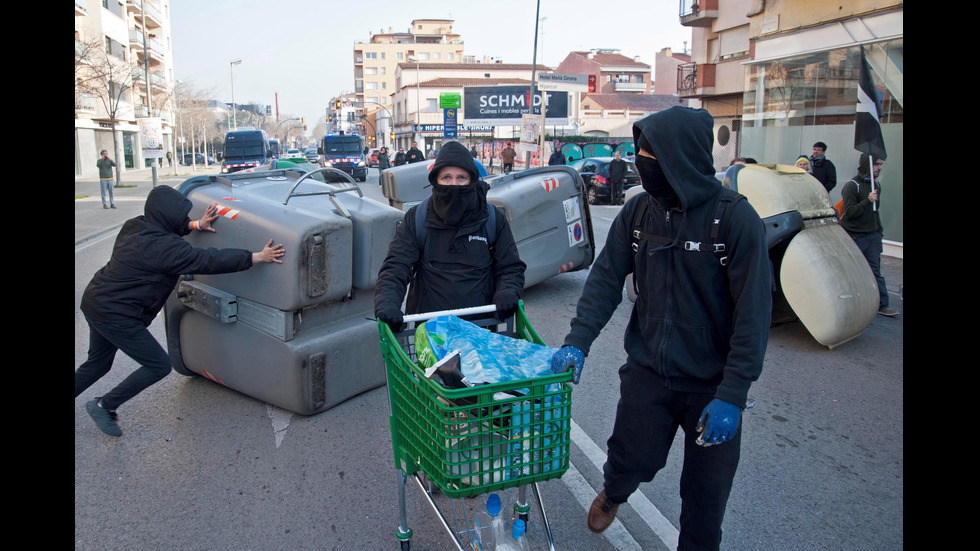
[{"x": 647, "y": 510}]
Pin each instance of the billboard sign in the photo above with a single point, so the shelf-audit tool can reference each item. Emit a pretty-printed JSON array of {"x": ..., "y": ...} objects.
[{"x": 504, "y": 105}]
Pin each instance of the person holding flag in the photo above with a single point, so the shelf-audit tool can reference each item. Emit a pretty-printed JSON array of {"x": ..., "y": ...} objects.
[{"x": 861, "y": 196}]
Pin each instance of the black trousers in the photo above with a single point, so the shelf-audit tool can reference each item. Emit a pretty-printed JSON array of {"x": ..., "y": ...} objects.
[
  {"x": 616, "y": 192},
  {"x": 134, "y": 340},
  {"x": 647, "y": 419}
]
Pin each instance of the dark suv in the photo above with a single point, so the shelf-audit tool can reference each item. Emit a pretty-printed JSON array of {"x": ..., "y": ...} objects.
[{"x": 595, "y": 176}]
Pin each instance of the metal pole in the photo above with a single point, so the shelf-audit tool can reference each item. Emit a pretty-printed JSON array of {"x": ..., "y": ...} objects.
[
  {"x": 231, "y": 69},
  {"x": 146, "y": 71},
  {"x": 534, "y": 67}
]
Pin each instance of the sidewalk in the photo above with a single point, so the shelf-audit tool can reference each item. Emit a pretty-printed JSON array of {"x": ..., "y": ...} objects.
[{"x": 92, "y": 221}]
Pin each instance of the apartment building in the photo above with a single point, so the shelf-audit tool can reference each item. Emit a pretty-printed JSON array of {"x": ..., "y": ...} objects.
[
  {"x": 779, "y": 77},
  {"x": 426, "y": 40},
  {"x": 615, "y": 72},
  {"x": 127, "y": 42}
]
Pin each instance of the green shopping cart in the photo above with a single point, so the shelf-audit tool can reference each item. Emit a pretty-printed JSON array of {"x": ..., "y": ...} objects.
[{"x": 476, "y": 440}]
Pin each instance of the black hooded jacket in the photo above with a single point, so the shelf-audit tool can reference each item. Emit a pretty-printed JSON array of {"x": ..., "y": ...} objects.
[
  {"x": 148, "y": 257},
  {"x": 701, "y": 326},
  {"x": 457, "y": 266}
]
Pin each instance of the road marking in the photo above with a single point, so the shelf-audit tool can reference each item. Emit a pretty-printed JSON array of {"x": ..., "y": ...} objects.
[
  {"x": 617, "y": 534},
  {"x": 638, "y": 501}
]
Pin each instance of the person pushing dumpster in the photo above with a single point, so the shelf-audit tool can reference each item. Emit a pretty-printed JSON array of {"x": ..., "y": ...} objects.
[
  {"x": 697, "y": 336},
  {"x": 448, "y": 252},
  {"x": 125, "y": 295}
]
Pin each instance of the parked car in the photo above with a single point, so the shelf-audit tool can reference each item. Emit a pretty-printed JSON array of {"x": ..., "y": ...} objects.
[
  {"x": 595, "y": 176},
  {"x": 373, "y": 156},
  {"x": 198, "y": 159},
  {"x": 293, "y": 154},
  {"x": 312, "y": 156}
]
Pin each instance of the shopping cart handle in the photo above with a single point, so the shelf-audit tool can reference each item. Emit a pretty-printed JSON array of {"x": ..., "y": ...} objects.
[{"x": 458, "y": 312}]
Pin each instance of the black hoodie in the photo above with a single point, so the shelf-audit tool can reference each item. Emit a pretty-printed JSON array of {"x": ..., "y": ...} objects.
[
  {"x": 701, "y": 326},
  {"x": 148, "y": 257},
  {"x": 457, "y": 268}
]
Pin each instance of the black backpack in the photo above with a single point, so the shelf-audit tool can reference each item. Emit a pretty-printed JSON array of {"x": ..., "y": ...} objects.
[{"x": 716, "y": 235}]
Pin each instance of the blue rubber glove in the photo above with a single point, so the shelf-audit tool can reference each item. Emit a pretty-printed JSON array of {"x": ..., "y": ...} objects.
[
  {"x": 568, "y": 357},
  {"x": 718, "y": 422}
]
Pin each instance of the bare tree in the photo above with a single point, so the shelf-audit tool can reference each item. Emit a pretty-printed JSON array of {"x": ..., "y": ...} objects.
[{"x": 108, "y": 77}]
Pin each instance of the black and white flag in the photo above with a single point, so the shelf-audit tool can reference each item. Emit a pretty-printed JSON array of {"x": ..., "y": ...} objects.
[{"x": 867, "y": 126}]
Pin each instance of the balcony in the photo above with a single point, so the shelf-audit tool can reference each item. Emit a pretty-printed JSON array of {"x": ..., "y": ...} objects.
[
  {"x": 631, "y": 87},
  {"x": 698, "y": 13},
  {"x": 154, "y": 19},
  {"x": 695, "y": 81}
]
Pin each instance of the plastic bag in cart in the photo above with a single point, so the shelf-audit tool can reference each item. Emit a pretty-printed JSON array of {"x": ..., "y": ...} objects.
[{"x": 485, "y": 357}]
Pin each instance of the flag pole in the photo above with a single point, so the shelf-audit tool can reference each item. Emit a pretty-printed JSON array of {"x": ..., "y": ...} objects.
[{"x": 871, "y": 170}]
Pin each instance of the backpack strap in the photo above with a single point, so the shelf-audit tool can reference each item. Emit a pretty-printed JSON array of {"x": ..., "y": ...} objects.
[
  {"x": 423, "y": 208},
  {"x": 716, "y": 234}
]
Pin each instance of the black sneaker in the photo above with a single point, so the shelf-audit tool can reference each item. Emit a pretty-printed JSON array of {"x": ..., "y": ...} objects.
[{"x": 104, "y": 418}]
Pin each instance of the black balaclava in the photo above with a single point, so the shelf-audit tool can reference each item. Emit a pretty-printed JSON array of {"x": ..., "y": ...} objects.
[
  {"x": 652, "y": 174},
  {"x": 455, "y": 204}
]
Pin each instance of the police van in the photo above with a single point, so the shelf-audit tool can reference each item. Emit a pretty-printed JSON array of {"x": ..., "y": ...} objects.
[
  {"x": 245, "y": 148},
  {"x": 344, "y": 152}
]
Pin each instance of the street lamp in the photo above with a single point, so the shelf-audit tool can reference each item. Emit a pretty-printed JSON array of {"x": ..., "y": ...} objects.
[
  {"x": 418, "y": 95},
  {"x": 231, "y": 68}
]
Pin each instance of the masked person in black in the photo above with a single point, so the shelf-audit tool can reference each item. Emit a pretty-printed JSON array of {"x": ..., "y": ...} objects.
[
  {"x": 457, "y": 264},
  {"x": 126, "y": 294},
  {"x": 697, "y": 335}
]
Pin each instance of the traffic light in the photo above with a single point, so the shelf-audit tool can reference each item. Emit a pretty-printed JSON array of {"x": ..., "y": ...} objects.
[
  {"x": 338, "y": 105},
  {"x": 302, "y": 120}
]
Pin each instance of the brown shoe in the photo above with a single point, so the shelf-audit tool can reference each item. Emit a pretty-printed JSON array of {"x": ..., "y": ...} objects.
[{"x": 602, "y": 513}]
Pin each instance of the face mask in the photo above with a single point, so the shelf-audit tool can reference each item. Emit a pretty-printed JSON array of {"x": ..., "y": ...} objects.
[
  {"x": 453, "y": 203},
  {"x": 653, "y": 178}
]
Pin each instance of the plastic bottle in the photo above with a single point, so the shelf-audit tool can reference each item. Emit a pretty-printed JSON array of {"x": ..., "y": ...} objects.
[
  {"x": 484, "y": 537},
  {"x": 515, "y": 540}
]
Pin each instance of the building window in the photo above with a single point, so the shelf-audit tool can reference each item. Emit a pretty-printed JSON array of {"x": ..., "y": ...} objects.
[
  {"x": 399, "y": 56},
  {"x": 371, "y": 55}
]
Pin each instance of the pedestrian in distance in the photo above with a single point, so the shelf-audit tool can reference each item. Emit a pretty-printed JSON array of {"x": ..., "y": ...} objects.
[
  {"x": 170, "y": 159},
  {"x": 106, "y": 183},
  {"x": 382, "y": 161},
  {"x": 414, "y": 155},
  {"x": 507, "y": 156},
  {"x": 803, "y": 162},
  {"x": 400, "y": 157},
  {"x": 556, "y": 157},
  {"x": 697, "y": 336},
  {"x": 458, "y": 263},
  {"x": 821, "y": 168},
  {"x": 125, "y": 295},
  {"x": 861, "y": 198},
  {"x": 617, "y": 179}
]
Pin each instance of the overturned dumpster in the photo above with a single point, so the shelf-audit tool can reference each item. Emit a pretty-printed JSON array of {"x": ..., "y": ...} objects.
[
  {"x": 820, "y": 276},
  {"x": 546, "y": 208},
  {"x": 301, "y": 337}
]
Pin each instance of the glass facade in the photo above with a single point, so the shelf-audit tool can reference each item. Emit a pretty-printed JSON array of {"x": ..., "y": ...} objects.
[{"x": 791, "y": 103}]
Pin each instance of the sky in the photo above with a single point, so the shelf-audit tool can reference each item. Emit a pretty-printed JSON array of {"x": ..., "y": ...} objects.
[{"x": 302, "y": 50}]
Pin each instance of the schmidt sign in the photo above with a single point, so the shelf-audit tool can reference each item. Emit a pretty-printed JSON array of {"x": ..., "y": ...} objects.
[{"x": 504, "y": 105}]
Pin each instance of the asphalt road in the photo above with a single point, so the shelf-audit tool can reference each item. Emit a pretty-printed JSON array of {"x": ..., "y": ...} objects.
[{"x": 203, "y": 467}]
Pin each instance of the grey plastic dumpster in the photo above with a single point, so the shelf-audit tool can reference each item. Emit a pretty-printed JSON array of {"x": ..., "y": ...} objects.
[
  {"x": 545, "y": 206},
  {"x": 299, "y": 335}
]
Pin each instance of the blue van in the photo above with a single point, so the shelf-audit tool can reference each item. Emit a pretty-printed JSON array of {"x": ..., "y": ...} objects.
[
  {"x": 344, "y": 152},
  {"x": 245, "y": 148}
]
